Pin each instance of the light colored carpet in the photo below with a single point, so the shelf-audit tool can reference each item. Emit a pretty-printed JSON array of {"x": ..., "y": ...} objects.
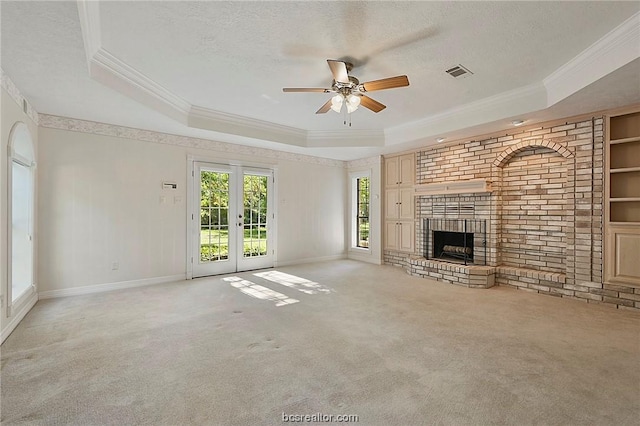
[{"x": 389, "y": 348}]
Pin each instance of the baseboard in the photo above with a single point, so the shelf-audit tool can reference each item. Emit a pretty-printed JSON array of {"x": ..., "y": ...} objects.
[
  {"x": 311, "y": 260},
  {"x": 364, "y": 258},
  {"x": 101, "y": 288},
  {"x": 15, "y": 320}
]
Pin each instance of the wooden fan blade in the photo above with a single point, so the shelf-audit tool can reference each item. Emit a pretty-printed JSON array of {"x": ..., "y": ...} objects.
[
  {"x": 305, "y": 89},
  {"x": 373, "y": 105},
  {"x": 324, "y": 108},
  {"x": 339, "y": 70},
  {"x": 386, "y": 83}
]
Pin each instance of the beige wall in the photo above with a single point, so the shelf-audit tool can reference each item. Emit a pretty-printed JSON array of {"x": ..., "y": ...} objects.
[{"x": 99, "y": 204}]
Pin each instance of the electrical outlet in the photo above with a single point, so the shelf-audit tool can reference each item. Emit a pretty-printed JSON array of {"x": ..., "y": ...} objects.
[{"x": 115, "y": 266}]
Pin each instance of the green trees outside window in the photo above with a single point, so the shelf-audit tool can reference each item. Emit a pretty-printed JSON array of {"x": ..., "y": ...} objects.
[{"x": 362, "y": 218}]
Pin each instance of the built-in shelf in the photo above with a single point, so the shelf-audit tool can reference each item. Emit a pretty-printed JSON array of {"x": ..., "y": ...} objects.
[
  {"x": 625, "y": 170},
  {"x": 625, "y": 140},
  {"x": 624, "y": 200}
]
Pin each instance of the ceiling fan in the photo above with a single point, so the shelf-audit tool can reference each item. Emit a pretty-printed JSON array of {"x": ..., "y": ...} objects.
[{"x": 349, "y": 91}]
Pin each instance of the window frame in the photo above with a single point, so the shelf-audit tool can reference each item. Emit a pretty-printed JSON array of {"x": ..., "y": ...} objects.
[
  {"x": 20, "y": 134},
  {"x": 354, "y": 214}
]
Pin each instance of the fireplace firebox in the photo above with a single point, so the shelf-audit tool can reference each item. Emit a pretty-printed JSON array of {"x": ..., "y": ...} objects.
[
  {"x": 449, "y": 245},
  {"x": 455, "y": 240}
]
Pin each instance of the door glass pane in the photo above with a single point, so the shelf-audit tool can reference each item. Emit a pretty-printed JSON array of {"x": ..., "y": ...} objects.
[
  {"x": 21, "y": 241},
  {"x": 255, "y": 216},
  {"x": 214, "y": 216}
]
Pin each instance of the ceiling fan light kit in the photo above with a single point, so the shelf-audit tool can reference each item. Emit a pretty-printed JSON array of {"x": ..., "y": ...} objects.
[
  {"x": 336, "y": 102},
  {"x": 348, "y": 89}
]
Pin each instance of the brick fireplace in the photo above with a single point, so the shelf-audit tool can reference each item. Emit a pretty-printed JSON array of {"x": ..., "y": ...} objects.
[{"x": 542, "y": 206}]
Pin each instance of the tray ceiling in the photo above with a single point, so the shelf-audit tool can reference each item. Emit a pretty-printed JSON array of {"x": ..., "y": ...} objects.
[{"x": 216, "y": 69}]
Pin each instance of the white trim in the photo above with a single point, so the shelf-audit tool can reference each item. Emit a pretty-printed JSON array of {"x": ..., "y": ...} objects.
[
  {"x": 118, "y": 75},
  {"x": 101, "y": 288},
  {"x": 353, "y": 203},
  {"x": 191, "y": 160},
  {"x": 29, "y": 164},
  {"x": 345, "y": 138},
  {"x": 89, "y": 14},
  {"x": 616, "y": 49},
  {"x": 353, "y": 255},
  {"x": 208, "y": 119},
  {"x": 310, "y": 260},
  {"x": 507, "y": 104},
  {"x": 19, "y": 316},
  {"x": 236, "y": 168}
]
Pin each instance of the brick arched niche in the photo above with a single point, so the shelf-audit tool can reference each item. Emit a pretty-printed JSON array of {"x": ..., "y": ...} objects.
[{"x": 534, "y": 204}]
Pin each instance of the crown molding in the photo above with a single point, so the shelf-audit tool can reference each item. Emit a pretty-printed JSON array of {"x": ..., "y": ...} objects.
[
  {"x": 616, "y": 49},
  {"x": 12, "y": 90},
  {"x": 208, "y": 119},
  {"x": 342, "y": 138},
  {"x": 521, "y": 100},
  {"x": 117, "y": 74},
  {"x": 103, "y": 129},
  {"x": 89, "y": 13}
]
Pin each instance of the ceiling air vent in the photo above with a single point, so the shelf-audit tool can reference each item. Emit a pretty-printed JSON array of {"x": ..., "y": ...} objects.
[{"x": 458, "y": 71}]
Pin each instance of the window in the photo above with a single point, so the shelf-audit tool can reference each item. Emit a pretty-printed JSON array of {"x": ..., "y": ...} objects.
[
  {"x": 21, "y": 212},
  {"x": 361, "y": 193}
]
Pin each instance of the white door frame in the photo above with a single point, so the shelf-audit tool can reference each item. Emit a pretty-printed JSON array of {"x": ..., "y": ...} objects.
[{"x": 191, "y": 210}]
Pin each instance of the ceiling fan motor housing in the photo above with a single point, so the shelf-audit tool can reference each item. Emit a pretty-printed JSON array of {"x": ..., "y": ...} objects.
[{"x": 346, "y": 88}]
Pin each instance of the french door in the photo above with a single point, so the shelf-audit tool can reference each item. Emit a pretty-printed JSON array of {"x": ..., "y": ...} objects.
[{"x": 231, "y": 219}]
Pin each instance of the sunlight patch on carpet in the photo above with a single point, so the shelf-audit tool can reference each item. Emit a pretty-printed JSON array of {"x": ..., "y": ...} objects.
[
  {"x": 301, "y": 284},
  {"x": 259, "y": 292}
]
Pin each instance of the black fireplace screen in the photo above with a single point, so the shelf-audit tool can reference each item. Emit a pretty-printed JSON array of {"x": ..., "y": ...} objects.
[{"x": 455, "y": 240}]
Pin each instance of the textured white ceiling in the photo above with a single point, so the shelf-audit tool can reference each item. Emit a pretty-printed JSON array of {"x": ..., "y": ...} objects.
[{"x": 235, "y": 57}]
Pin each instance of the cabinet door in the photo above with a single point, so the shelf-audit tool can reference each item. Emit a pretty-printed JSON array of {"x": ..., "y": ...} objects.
[
  {"x": 407, "y": 236},
  {"x": 405, "y": 203},
  {"x": 391, "y": 203},
  {"x": 406, "y": 172},
  {"x": 391, "y": 235},
  {"x": 391, "y": 171},
  {"x": 622, "y": 254}
]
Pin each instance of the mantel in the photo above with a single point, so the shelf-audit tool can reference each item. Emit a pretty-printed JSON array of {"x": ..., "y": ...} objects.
[{"x": 457, "y": 187}]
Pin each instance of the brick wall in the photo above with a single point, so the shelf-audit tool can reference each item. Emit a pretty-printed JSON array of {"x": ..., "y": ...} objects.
[
  {"x": 545, "y": 212},
  {"x": 532, "y": 212}
]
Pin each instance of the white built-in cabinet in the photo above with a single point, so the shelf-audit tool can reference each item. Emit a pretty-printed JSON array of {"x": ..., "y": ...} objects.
[
  {"x": 622, "y": 199},
  {"x": 399, "y": 230}
]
